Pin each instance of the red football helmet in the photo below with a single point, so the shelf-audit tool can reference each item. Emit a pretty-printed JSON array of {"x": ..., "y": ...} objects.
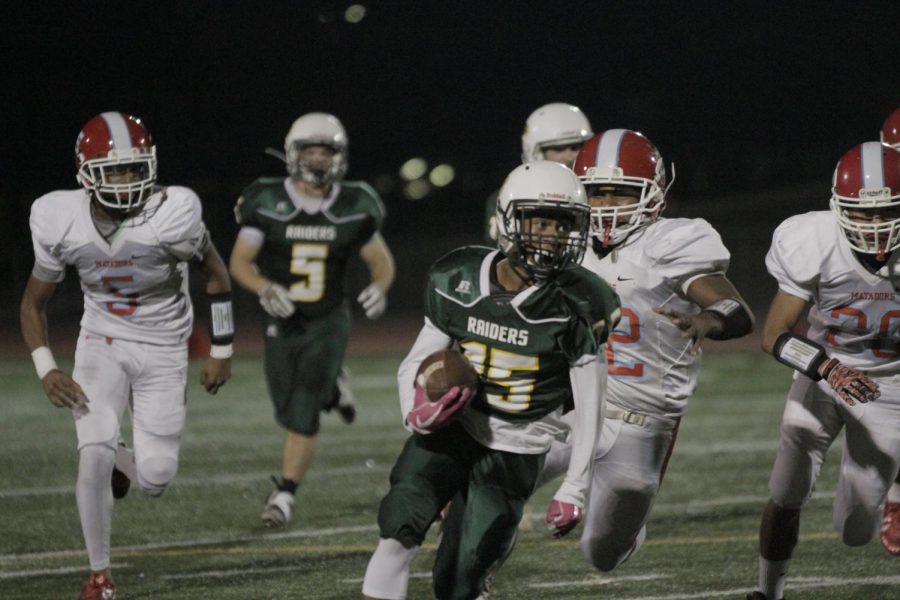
[
  {"x": 620, "y": 158},
  {"x": 866, "y": 183},
  {"x": 890, "y": 131},
  {"x": 116, "y": 160}
]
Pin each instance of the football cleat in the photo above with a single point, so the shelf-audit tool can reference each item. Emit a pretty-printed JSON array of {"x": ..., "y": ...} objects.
[
  {"x": 890, "y": 528},
  {"x": 757, "y": 596},
  {"x": 98, "y": 587},
  {"x": 120, "y": 480},
  {"x": 279, "y": 508}
]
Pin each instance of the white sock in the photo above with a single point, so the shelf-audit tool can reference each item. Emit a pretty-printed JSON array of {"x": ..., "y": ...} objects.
[
  {"x": 772, "y": 577},
  {"x": 95, "y": 501},
  {"x": 894, "y": 493},
  {"x": 387, "y": 575}
]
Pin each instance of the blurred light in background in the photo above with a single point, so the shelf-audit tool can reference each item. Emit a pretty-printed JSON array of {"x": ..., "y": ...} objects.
[
  {"x": 441, "y": 175},
  {"x": 355, "y": 13},
  {"x": 414, "y": 168},
  {"x": 416, "y": 190}
]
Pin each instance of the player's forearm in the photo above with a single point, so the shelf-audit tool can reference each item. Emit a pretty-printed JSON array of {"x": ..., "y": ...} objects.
[
  {"x": 246, "y": 275},
  {"x": 429, "y": 340},
  {"x": 217, "y": 279},
  {"x": 380, "y": 262},
  {"x": 34, "y": 327},
  {"x": 33, "y": 313},
  {"x": 588, "y": 383}
]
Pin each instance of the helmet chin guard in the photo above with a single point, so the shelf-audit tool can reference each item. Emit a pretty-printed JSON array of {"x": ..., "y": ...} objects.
[
  {"x": 623, "y": 160},
  {"x": 116, "y": 161},
  {"x": 543, "y": 219},
  {"x": 316, "y": 129},
  {"x": 865, "y": 198}
]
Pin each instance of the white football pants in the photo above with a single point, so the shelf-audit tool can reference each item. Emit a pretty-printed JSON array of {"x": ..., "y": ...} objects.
[{"x": 813, "y": 418}]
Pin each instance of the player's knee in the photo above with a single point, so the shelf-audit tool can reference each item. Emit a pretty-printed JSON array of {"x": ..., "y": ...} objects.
[
  {"x": 857, "y": 528},
  {"x": 154, "y": 474},
  {"x": 405, "y": 513},
  {"x": 598, "y": 553},
  {"x": 95, "y": 464}
]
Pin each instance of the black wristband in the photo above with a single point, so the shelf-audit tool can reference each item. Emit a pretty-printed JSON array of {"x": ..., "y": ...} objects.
[
  {"x": 221, "y": 318},
  {"x": 736, "y": 319},
  {"x": 800, "y": 353}
]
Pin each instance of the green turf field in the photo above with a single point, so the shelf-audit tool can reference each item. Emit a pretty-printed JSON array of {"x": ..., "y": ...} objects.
[{"x": 204, "y": 537}]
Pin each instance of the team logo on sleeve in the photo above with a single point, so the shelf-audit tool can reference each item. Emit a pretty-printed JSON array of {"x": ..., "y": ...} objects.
[{"x": 464, "y": 287}]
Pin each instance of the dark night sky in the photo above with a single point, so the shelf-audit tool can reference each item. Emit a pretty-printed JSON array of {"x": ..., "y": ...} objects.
[{"x": 743, "y": 96}]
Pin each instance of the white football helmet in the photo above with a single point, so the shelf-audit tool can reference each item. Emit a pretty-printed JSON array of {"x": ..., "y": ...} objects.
[
  {"x": 542, "y": 190},
  {"x": 316, "y": 129},
  {"x": 867, "y": 180},
  {"x": 555, "y": 124}
]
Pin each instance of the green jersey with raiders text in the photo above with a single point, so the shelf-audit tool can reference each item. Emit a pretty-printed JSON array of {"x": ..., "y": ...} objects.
[
  {"x": 307, "y": 252},
  {"x": 522, "y": 344}
]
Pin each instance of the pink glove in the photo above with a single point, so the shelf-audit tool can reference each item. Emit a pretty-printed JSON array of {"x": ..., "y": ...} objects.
[
  {"x": 427, "y": 416},
  {"x": 851, "y": 385},
  {"x": 562, "y": 517}
]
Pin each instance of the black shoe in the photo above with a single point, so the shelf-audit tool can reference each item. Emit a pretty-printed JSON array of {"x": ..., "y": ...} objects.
[
  {"x": 342, "y": 400},
  {"x": 119, "y": 481}
]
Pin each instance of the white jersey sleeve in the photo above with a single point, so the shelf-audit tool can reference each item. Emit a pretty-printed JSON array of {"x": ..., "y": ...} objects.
[
  {"x": 430, "y": 339},
  {"x": 48, "y": 221},
  {"x": 179, "y": 224},
  {"x": 684, "y": 249},
  {"x": 795, "y": 256},
  {"x": 652, "y": 369},
  {"x": 853, "y": 311},
  {"x": 588, "y": 385}
]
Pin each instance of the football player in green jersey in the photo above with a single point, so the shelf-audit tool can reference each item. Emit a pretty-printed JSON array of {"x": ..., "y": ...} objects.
[
  {"x": 533, "y": 323},
  {"x": 297, "y": 236}
]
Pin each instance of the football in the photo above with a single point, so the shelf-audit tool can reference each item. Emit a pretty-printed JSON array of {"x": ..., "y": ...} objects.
[{"x": 444, "y": 369}]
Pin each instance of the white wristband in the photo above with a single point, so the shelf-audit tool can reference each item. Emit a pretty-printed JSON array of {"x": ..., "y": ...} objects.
[
  {"x": 221, "y": 352},
  {"x": 43, "y": 361}
]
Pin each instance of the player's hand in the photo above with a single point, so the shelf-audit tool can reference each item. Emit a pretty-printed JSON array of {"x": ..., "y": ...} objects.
[
  {"x": 694, "y": 326},
  {"x": 373, "y": 300},
  {"x": 276, "y": 300},
  {"x": 851, "y": 385},
  {"x": 62, "y": 390},
  {"x": 562, "y": 517},
  {"x": 216, "y": 371},
  {"x": 427, "y": 416}
]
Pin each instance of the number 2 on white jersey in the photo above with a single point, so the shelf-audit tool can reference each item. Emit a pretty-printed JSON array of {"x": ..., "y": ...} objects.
[
  {"x": 308, "y": 261},
  {"x": 631, "y": 322}
]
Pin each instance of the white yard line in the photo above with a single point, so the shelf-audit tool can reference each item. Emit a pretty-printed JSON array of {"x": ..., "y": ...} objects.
[
  {"x": 211, "y": 541},
  {"x": 59, "y": 571},
  {"x": 206, "y": 480},
  {"x": 597, "y": 580}
]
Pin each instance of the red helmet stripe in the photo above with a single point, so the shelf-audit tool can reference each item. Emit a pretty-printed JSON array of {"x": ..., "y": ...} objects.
[
  {"x": 118, "y": 130},
  {"x": 872, "y": 157},
  {"x": 608, "y": 148}
]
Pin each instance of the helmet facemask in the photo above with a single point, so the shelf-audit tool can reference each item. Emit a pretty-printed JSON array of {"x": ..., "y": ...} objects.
[
  {"x": 857, "y": 221},
  {"x": 611, "y": 225},
  {"x": 543, "y": 237},
  {"x": 123, "y": 180},
  {"x": 301, "y": 170}
]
